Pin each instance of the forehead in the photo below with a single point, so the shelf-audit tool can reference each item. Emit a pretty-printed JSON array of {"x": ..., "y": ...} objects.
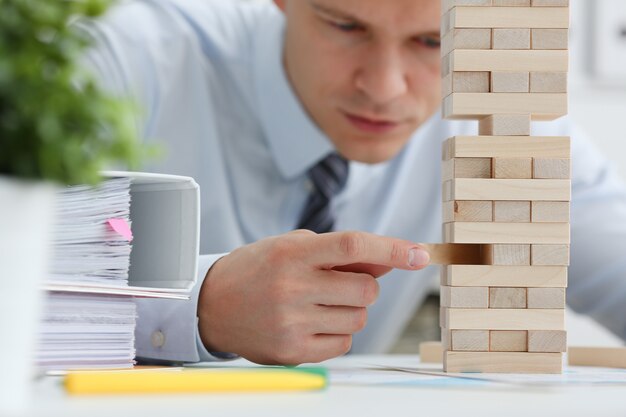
[{"x": 399, "y": 15}]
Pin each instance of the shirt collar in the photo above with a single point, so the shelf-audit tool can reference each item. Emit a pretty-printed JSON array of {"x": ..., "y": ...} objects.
[{"x": 295, "y": 141}]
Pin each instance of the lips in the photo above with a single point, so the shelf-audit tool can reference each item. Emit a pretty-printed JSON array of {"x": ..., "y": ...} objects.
[{"x": 370, "y": 125}]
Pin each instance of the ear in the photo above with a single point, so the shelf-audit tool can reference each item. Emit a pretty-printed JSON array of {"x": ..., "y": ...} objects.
[{"x": 281, "y": 4}]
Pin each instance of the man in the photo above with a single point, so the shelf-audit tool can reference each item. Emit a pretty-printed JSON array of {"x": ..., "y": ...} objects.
[{"x": 263, "y": 103}]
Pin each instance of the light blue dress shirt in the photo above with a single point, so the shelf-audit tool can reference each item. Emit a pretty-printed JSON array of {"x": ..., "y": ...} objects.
[{"x": 209, "y": 77}]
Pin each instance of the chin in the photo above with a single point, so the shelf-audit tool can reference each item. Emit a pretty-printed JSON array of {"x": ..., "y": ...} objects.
[{"x": 369, "y": 154}]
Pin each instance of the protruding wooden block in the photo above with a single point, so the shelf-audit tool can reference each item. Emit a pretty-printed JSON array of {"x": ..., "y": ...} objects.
[
  {"x": 502, "y": 319},
  {"x": 512, "y": 255},
  {"x": 549, "y": 39},
  {"x": 513, "y": 168},
  {"x": 466, "y": 82},
  {"x": 507, "y": 147},
  {"x": 512, "y": 3},
  {"x": 485, "y": 233},
  {"x": 503, "y": 60},
  {"x": 507, "y": 298},
  {"x": 467, "y": 106},
  {"x": 511, "y": 211},
  {"x": 548, "y": 82},
  {"x": 478, "y": 38},
  {"x": 510, "y": 82},
  {"x": 508, "y": 341},
  {"x": 511, "y": 38},
  {"x": 508, "y": 189},
  {"x": 464, "y": 297},
  {"x": 469, "y": 340},
  {"x": 551, "y": 168},
  {"x": 507, "y": 17},
  {"x": 550, "y": 255},
  {"x": 503, "y": 362},
  {"x": 550, "y": 211},
  {"x": 547, "y": 341},
  {"x": 431, "y": 352},
  {"x": 504, "y": 276},
  {"x": 467, "y": 211},
  {"x": 550, "y": 3},
  {"x": 505, "y": 125},
  {"x": 610, "y": 357},
  {"x": 551, "y": 298}
]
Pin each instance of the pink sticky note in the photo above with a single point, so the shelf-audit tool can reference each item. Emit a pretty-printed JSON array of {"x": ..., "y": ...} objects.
[{"x": 122, "y": 228}]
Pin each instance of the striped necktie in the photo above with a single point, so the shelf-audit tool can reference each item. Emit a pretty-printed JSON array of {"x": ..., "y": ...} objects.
[{"x": 328, "y": 176}]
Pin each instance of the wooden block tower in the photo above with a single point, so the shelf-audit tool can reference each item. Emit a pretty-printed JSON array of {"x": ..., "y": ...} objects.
[{"x": 504, "y": 64}]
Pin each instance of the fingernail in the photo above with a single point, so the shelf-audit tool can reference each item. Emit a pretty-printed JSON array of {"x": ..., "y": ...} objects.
[{"x": 418, "y": 257}]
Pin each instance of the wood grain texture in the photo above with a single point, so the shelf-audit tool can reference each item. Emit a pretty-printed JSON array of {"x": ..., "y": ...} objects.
[
  {"x": 503, "y": 362},
  {"x": 544, "y": 168},
  {"x": 465, "y": 82},
  {"x": 518, "y": 38},
  {"x": 467, "y": 211},
  {"x": 511, "y": 211},
  {"x": 431, "y": 352},
  {"x": 469, "y": 340},
  {"x": 508, "y": 341},
  {"x": 511, "y": 255},
  {"x": 513, "y": 168},
  {"x": 505, "y": 298},
  {"x": 547, "y": 341},
  {"x": 550, "y": 255},
  {"x": 502, "y": 60},
  {"x": 550, "y": 211},
  {"x": 505, "y": 125},
  {"x": 507, "y": 17},
  {"x": 550, "y": 3},
  {"x": 464, "y": 297},
  {"x": 549, "y": 298},
  {"x": 614, "y": 357},
  {"x": 549, "y": 39},
  {"x": 466, "y": 106},
  {"x": 477, "y": 38},
  {"x": 548, "y": 82},
  {"x": 539, "y": 233},
  {"x": 504, "y": 276},
  {"x": 508, "y": 189},
  {"x": 510, "y": 82},
  {"x": 502, "y": 319},
  {"x": 506, "y": 147},
  {"x": 453, "y": 254}
]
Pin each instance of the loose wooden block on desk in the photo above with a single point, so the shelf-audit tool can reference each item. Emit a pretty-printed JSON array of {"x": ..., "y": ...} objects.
[
  {"x": 465, "y": 82},
  {"x": 510, "y": 82},
  {"x": 507, "y": 189},
  {"x": 551, "y": 298},
  {"x": 511, "y": 211},
  {"x": 548, "y": 82},
  {"x": 508, "y": 341},
  {"x": 610, "y": 357},
  {"x": 503, "y": 60},
  {"x": 511, "y": 38},
  {"x": 485, "y": 233},
  {"x": 512, "y": 255},
  {"x": 505, "y": 125},
  {"x": 466, "y": 106},
  {"x": 506, "y": 147},
  {"x": 550, "y": 211},
  {"x": 464, "y": 297},
  {"x": 550, "y": 255},
  {"x": 549, "y": 39},
  {"x": 503, "y": 362},
  {"x": 479, "y": 38},
  {"x": 504, "y": 298},
  {"x": 502, "y": 319},
  {"x": 504, "y": 276},
  {"x": 467, "y": 211},
  {"x": 507, "y": 17},
  {"x": 469, "y": 340},
  {"x": 466, "y": 168},
  {"x": 551, "y": 168},
  {"x": 431, "y": 352},
  {"x": 547, "y": 341},
  {"x": 513, "y": 168},
  {"x": 550, "y": 3}
]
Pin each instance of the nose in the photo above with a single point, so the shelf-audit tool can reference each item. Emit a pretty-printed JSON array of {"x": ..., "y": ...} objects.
[{"x": 382, "y": 77}]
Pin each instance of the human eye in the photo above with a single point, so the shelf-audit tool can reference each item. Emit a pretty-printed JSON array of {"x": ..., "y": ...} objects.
[
  {"x": 429, "y": 41},
  {"x": 346, "y": 26}
]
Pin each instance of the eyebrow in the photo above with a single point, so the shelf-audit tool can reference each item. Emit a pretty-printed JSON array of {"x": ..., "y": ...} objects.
[{"x": 334, "y": 12}]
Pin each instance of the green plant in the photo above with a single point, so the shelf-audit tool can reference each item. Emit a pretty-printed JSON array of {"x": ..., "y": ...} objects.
[{"x": 55, "y": 122}]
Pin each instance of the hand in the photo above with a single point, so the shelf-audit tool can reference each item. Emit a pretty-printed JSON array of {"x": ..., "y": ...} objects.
[{"x": 298, "y": 297}]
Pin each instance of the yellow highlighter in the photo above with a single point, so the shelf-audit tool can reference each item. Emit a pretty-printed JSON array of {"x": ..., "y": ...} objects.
[{"x": 197, "y": 381}]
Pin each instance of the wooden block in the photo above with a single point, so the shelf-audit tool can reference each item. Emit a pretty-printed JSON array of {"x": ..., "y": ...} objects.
[
  {"x": 609, "y": 357},
  {"x": 513, "y": 168},
  {"x": 550, "y": 3},
  {"x": 465, "y": 82},
  {"x": 505, "y": 125},
  {"x": 506, "y": 297},
  {"x": 468, "y": 168},
  {"x": 549, "y": 39},
  {"x": 551, "y": 298},
  {"x": 551, "y": 168},
  {"x": 469, "y": 340},
  {"x": 512, "y": 255},
  {"x": 507, "y": 147},
  {"x": 547, "y": 341},
  {"x": 508, "y": 189},
  {"x": 479, "y": 38},
  {"x": 503, "y": 362},
  {"x": 508, "y": 341},
  {"x": 448, "y": 4},
  {"x": 453, "y": 254},
  {"x": 511, "y": 211},
  {"x": 504, "y": 276},
  {"x": 544, "y": 106},
  {"x": 503, "y": 60},
  {"x": 513, "y": 3},
  {"x": 557, "y": 255},
  {"x": 548, "y": 82},
  {"x": 512, "y": 38},
  {"x": 464, "y": 297},
  {"x": 550, "y": 211},
  {"x": 467, "y": 211},
  {"x": 502, "y": 319},
  {"x": 510, "y": 82},
  {"x": 549, "y": 233},
  {"x": 431, "y": 352},
  {"x": 507, "y": 17}
]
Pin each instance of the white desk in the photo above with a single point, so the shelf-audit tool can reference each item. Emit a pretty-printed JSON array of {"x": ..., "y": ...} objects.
[{"x": 337, "y": 400}]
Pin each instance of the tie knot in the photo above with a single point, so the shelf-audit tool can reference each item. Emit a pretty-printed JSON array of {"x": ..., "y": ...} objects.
[{"x": 329, "y": 176}]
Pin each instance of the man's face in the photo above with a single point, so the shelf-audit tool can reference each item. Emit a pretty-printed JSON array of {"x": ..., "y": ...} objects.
[{"x": 367, "y": 71}]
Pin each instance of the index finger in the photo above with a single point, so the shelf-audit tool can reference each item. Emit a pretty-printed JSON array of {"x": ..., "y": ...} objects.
[{"x": 329, "y": 250}]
